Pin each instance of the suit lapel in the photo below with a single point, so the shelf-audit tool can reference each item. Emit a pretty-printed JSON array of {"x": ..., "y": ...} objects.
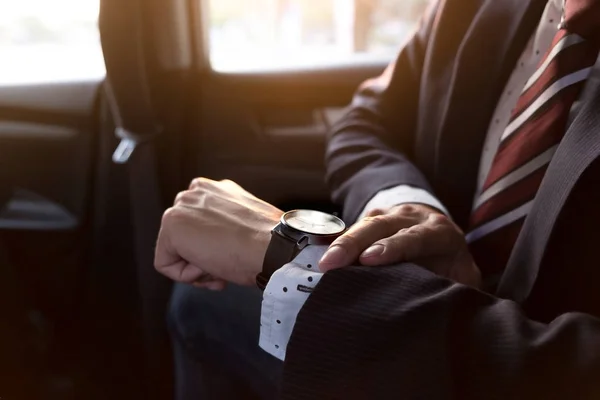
[
  {"x": 578, "y": 149},
  {"x": 485, "y": 59}
]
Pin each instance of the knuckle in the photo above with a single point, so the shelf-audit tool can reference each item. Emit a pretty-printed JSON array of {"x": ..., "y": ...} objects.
[
  {"x": 419, "y": 230},
  {"x": 406, "y": 231},
  {"x": 170, "y": 215},
  {"x": 198, "y": 183},
  {"x": 179, "y": 198},
  {"x": 443, "y": 223},
  {"x": 405, "y": 209},
  {"x": 439, "y": 219},
  {"x": 184, "y": 197},
  {"x": 229, "y": 185},
  {"x": 374, "y": 212}
]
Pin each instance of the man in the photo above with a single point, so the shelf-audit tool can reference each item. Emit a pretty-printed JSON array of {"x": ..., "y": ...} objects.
[{"x": 491, "y": 117}]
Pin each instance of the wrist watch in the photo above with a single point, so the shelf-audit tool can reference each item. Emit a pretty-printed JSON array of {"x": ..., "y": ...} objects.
[{"x": 296, "y": 230}]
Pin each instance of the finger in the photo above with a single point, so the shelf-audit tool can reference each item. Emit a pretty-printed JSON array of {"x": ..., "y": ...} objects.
[
  {"x": 410, "y": 244},
  {"x": 346, "y": 249},
  {"x": 167, "y": 260},
  {"x": 181, "y": 271},
  {"x": 185, "y": 197}
]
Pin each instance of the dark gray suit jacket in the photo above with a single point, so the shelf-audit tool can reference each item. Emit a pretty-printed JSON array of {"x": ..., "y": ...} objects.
[{"x": 403, "y": 332}]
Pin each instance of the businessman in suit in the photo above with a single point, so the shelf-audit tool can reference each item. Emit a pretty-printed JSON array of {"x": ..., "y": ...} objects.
[{"x": 488, "y": 123}]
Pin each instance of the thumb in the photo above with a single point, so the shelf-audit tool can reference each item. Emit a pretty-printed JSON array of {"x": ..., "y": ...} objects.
[{"x": 181, "y": 271}]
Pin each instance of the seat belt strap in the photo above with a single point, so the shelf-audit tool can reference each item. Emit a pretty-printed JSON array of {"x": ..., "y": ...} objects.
[{"x": 129, "y": 96}]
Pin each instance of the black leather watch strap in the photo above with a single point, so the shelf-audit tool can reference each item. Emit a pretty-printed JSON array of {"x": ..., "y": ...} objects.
[{"x": 281, "y": 250}]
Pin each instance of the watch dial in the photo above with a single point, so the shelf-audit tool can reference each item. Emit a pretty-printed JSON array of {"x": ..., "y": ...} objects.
[{"x": 314, "y": 222}]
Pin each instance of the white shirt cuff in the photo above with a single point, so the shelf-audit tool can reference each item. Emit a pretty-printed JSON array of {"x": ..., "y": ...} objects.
[
  {"x": 402, "y": 194},
  {"x": 285, "y": 294}
]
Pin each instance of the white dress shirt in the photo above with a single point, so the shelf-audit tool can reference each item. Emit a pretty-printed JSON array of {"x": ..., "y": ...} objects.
[
  {"x": 280, "y": 309},
  {"x": 284, "y": 296}
]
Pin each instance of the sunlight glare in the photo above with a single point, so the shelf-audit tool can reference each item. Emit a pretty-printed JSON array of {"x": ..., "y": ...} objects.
[
  {"x": 49, "y": 41},
  {"x": 53, "y": 11}
]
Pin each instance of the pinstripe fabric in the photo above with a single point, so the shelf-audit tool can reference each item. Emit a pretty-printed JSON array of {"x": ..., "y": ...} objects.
[{"x": 404, "y": 333}]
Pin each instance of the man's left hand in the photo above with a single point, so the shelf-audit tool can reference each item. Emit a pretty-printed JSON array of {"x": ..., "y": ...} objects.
[{"x": 216, "y": 232}]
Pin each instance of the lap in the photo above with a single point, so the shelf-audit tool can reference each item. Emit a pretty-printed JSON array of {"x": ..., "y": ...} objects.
[{"x": 223, "y": 328}]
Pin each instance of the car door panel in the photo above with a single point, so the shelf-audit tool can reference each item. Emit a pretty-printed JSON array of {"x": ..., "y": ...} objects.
[
  {"x": 267, "y": 131},
  {"x": 46, "y": 134},
  {"x": 47, "y": 153}
]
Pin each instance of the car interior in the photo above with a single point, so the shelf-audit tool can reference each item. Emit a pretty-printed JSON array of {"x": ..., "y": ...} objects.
[{"x": 90, "y": 162}]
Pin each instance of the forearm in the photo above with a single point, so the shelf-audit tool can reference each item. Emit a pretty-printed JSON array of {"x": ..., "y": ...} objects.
[
  {"x": 403, "y": 329},
  {"x": 356, "y": 178},
  {"x": 371, "y": 148}
]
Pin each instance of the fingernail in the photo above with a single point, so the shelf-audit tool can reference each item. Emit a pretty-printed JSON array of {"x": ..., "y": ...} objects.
[
  {"x": 373, "y": 251},
  {"x": 334, "y": 256}
]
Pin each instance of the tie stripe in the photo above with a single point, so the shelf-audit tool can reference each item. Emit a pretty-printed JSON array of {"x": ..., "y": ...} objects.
[
  {"x": 543, "y": 98},
  {"x": 516, "y": 176},
  {"x": 564, "y": 43},
  {"x": 499, "y": 222},
  {"x": 557, "y": 38},
  {"x": 568, "y": 64},
  {"x": 513, "y": 197},
  {"x": 527, "y": 146},
  {"x": 545, "y": 131}
]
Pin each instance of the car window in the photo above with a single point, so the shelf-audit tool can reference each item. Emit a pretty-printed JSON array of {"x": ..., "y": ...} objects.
[
  {"x": 282, "y": 34},
  {"x": 49, "y": 40}
]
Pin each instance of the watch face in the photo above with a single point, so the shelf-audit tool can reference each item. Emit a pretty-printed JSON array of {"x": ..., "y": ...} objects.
[{"x": 313, "y": 222}]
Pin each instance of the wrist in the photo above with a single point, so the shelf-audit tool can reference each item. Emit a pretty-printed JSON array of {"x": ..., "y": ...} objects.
[{"x": 261, "y": 243}]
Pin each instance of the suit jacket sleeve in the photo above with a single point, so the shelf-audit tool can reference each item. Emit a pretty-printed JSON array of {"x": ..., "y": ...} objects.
[
  {"x": 403, "y": 332},
  {"x": 371, "y": 148}
]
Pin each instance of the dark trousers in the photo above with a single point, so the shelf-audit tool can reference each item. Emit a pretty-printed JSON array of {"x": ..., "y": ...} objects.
[{"x": 215, "y": 340}]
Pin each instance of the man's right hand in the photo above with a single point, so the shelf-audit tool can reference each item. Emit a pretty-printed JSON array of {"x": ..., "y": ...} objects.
[{"x": 406, "y": 233}]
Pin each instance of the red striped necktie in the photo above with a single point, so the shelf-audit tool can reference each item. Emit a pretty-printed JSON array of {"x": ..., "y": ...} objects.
[{"x": 537, "y": 125}]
